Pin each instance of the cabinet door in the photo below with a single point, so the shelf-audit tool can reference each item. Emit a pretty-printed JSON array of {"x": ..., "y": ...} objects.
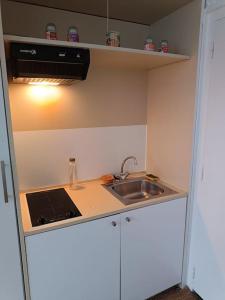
[
  {"x": 80, "y": 262},
  {"x": 207, "y": 261},
  {"x": 11, "y": 280},
  {"x": 152, "y": 240}
]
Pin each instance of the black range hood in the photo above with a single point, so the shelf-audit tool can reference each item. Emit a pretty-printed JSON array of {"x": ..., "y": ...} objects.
[{"x": 36, "y": 64}]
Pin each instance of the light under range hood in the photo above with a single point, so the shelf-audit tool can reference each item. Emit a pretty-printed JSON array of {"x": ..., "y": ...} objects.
[{"x": 43, "y": 64}]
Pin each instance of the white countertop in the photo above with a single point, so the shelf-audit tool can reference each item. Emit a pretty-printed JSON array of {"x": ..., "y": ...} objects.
[{"x": 93, "y": 201}]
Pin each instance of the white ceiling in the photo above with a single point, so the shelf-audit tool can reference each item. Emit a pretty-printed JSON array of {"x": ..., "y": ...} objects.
[{"x": 137, "y": 11}]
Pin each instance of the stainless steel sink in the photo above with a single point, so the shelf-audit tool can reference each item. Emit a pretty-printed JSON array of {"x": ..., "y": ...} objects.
[{"x": 136, "y": 190}]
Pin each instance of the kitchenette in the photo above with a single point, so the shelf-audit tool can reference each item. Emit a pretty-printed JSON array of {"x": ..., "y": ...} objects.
[{"x": 102, "y": 136}]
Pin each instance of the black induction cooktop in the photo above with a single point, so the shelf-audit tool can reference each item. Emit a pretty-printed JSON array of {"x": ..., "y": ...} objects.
[{"x": 51, "y": 206}]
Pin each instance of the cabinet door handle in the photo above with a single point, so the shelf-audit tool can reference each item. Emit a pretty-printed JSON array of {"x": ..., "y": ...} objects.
[
  {"x": 114, "y": 223},
  {"x": 4, "y": 183},
  {"x": 128, "y": 219}
]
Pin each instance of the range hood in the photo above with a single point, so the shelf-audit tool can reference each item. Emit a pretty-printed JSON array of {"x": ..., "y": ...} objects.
[{"x": 43, "y": 64}]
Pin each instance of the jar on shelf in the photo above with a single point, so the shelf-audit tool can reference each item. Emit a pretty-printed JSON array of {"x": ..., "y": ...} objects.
[
  {"x": 72, "y": 35},
  {"x": 51, "y": 32},
  {"x": 113, "y": 39},
  {"x": 164, "y": 47},
  {"x": 149, "y": 44}
]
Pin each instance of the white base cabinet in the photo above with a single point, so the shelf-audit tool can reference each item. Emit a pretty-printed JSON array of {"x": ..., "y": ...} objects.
[
  {"x": 152, "y": 240},
  {"x": 130, "y": 256}
]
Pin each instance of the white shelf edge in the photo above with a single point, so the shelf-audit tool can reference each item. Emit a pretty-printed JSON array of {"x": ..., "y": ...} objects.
[{"x": 14, "y": 38}]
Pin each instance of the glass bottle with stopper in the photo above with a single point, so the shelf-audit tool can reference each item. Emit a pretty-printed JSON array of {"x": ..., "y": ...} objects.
[{"x": 73, "y": 181}]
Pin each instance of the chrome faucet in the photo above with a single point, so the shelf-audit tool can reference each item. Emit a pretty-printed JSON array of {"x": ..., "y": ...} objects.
[{"x": 123, "y": 175}]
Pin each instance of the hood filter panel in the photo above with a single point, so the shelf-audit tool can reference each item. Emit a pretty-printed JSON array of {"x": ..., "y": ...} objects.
[{"x": 43, "y": 81}]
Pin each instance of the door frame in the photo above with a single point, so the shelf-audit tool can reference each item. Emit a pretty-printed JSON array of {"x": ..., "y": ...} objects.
[
  {"x": 13, "y": 161},
  {"x": 197, "y": 171}
]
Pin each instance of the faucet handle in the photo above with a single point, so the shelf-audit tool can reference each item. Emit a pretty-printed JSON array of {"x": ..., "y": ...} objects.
[{"x": 121, "y": 176}]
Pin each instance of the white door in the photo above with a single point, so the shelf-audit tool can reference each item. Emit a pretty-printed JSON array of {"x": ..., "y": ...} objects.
[
  {"x": 152, "y": 240},
  {"x": 80, "y": 262},
  {"x": 208, "y": 241},
  {"x": 11, "y": 284}
]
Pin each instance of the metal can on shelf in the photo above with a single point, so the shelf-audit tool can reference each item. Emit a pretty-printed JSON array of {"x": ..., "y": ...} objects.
[
  {"x": 73, "y": 35},
  {"x": 51, "y": 32},
  {"x": 149, "y": 45},
  {"x": 113, "y": 39},
  {"x": 164, "y": 47}
]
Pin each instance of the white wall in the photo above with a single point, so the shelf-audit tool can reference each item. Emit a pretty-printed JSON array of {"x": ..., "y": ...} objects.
[
  {"x": 108, "y": 97},
  {"x": 171, "y": 99},
  {"x": 29, "y": 20},
  {"x": 167, "y": 141},
  {"x": 99, "y": 121},
  {"x": 42, "y": 156},
  {"x": 211, "y": 4}
]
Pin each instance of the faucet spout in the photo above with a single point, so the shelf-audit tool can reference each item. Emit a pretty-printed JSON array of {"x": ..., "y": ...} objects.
[
  {"x": 125, "y": 160},
  {"x": 123, "y": 175}
]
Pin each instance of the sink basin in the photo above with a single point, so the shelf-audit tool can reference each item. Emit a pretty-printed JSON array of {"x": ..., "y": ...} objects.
[{"x": 137, "y": 190}]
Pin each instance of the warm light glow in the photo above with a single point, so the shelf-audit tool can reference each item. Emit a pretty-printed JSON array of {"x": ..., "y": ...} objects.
[
  {"x": 44, "y": 95},
  {"x": 44, "y": 83}
]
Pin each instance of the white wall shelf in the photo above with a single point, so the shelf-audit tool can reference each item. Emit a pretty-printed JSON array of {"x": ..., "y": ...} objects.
[{"x": 105, "y": 56}]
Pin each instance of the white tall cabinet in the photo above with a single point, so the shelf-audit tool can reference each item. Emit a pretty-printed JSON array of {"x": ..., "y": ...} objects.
[
  {"x": 11, "y": 283},
  {"x": 11, "y": 278}
]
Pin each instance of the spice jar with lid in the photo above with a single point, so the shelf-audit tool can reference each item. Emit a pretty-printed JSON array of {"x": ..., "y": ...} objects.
[
  {"x": 73, "y": 35},
  {"x": 113, "y": 39},
  {"x": 164, "y": 47},
  {"x": 149, "y": 44},
  {"x": 51, "y": 31}
]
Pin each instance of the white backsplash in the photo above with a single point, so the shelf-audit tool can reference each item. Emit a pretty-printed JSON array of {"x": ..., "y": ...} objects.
[{"x": 42, "y": 156}]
